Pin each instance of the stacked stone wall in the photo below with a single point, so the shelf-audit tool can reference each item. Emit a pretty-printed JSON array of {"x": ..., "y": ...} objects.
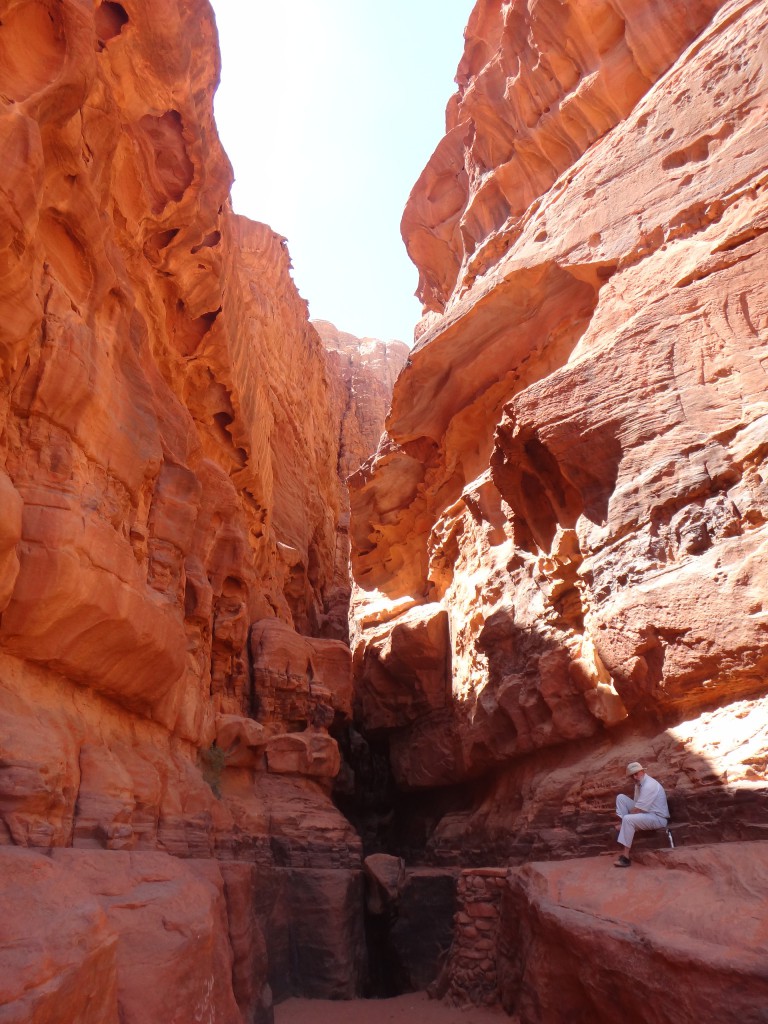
[{"x": 470, "y": 975}]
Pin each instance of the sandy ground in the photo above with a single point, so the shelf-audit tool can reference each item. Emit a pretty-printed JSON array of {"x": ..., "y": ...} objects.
[{"x": 409, "y": 1009}]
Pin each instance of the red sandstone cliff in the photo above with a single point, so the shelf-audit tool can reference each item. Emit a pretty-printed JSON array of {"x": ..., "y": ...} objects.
[
  {"x": 169, "y": 540},
  {"x": 559, "y": 550},
  {"x": 363, "y": 371},
  {"x": 558, "y": 547},
  {"x": 369, "y": 368}
]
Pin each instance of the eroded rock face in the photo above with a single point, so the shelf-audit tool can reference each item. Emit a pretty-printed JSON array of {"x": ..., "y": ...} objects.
[
  {"x": 159, "y": 427},
  {"x": 573, "y": 471},
  {"x": 169, "y": 445},
  {"x": 59, "y": 951},
  {"x": 296, "y": 677}
]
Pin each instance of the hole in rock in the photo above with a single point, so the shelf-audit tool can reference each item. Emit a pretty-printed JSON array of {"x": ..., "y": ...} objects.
[
  {"x": 188, "y": 334},
  {"x": 169, "y": 165},
  {"x": 208, "y": 242},
  {"x": 233, "y": 587},
  {"x": 158, "y": 241},
  {"x": 109, "y": 19},
  {"x": 537, "y": 510},
  {"x": 222, "y": 421}
]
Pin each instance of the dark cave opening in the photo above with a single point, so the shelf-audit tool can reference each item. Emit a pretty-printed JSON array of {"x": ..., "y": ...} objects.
[{"x": 408, "y": 927}]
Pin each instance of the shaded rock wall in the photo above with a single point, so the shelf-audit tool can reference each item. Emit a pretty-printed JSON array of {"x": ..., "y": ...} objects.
[
  {"x": 409, "y": 922},
  {"x": 572, "y": 479}
]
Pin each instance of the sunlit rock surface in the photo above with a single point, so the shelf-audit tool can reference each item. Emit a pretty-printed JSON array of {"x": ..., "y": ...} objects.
[
  {"x": 169, "y": 450},
  {"x": 165, "y": 400},
  {"x": 573, "y": 470},
  {"x": 363, "y": 374},
  {"x": 581, "y": 941},
  {"x": 369, "y": 368},
  {"x": 558, "y": 546}
]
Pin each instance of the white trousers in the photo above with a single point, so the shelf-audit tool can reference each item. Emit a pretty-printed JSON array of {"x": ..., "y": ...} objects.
[{"x": 631, "y": 822}]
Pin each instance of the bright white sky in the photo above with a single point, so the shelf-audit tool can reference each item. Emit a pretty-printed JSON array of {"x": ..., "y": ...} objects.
[{"x": 329, "y": 110}]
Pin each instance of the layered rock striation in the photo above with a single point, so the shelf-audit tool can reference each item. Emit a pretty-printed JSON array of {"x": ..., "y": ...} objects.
[
  {"x": 559, "y": 548},
  {"x": 368, "y": 368}
]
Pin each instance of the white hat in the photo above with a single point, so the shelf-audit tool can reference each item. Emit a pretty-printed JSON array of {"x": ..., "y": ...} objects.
[{"x": 634, "y": 766}]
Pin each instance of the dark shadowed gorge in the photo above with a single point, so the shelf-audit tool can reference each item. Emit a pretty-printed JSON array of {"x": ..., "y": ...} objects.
[{"x": 321, "y": 661}]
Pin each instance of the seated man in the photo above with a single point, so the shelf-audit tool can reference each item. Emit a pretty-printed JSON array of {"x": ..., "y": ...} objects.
[{"x": 648, "y": 810}]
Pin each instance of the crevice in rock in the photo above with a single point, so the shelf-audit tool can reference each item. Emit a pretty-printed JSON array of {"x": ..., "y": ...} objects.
[{"x": 409, "y": 923}]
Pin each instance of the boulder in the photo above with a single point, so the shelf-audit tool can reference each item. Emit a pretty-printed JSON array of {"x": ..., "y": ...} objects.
[
  {"x": 384, "y": 879},
  {"x": 241, "y": 740},
  {"x": 312, "y": 753}
]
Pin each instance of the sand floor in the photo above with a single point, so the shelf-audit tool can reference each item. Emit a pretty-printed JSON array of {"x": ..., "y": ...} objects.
[{"x": 408, "y": 1009}]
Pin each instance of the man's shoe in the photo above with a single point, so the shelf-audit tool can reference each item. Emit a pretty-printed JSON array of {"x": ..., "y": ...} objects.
[{"x": 622, "y": 862}]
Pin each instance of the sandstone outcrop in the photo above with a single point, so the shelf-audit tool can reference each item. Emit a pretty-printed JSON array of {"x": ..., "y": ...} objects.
[
  {"x": 584, "y": 942},
  {"x": 165, "y": 399},
  {"x": 59, "y": 952},
  {"x": 558, "y": 545},
  {"x": 573, "y": 469},
  {"x": 296, "y": 676}
]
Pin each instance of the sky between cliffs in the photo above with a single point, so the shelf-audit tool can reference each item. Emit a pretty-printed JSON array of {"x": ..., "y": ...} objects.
[{"x": 329, "y": 110}]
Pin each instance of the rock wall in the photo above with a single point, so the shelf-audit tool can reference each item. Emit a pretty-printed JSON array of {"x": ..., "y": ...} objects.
[
  {"x": 369, "y": 368},
  {"x": 558, "y": 547},
  {"x": 104, "y": 937},
  {"x": 171, "y": 530},
  {"x": 559, "y": 550},
  {"x": 470, "y": 973},
  {"x": 164, "y": 398},
  {"x": 364, "y": 371}
]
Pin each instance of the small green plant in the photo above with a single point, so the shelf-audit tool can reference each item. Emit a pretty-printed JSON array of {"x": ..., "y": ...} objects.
[{"x": 213, "y": 761}]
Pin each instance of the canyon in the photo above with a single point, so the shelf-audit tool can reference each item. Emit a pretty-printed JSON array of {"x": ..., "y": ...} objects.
[{"x": 231, "y": 772}]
